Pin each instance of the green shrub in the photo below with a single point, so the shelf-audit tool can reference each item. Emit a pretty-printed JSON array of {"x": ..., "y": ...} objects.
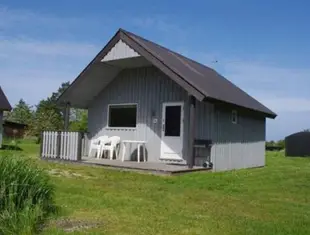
[
  {"x": 23, "y": 221},
  {"x": 26, "y": 195}
]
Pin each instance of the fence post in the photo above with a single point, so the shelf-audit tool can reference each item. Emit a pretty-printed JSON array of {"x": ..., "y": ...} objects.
[
  {"x": 58, "y": 144},
  {"x": 79, "y": 146},
  {"x": 41, "y": 144}
]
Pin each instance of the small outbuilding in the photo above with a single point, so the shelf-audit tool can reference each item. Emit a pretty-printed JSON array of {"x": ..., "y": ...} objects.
[
  {"x": 4, "y": 106},
  {"x": 298, "y": 144},
  {"x": 14, "y": 129}
]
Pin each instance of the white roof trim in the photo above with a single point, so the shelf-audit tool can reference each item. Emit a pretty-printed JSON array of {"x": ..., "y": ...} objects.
[{"x": 120, "y": 51}]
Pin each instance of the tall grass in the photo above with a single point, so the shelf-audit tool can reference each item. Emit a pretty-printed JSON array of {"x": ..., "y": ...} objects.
[{"x": 26, "y": 196}]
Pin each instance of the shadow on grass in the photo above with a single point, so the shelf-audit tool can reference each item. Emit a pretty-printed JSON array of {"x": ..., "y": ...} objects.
[{"x": 11, "y": 147}]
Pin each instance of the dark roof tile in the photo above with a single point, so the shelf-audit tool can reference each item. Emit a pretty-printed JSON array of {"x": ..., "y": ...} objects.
[
  {"x": 4, "y": 103},
  {"x": 206, "y": 80}
]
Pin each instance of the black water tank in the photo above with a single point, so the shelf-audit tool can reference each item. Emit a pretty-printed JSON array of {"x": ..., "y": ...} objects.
[{"x": 298, "y": 144}]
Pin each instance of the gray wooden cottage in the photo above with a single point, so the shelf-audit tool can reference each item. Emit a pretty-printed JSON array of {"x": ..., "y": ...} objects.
[
  {"x": 4, "y": 106},
  {"x": 185, "y": 111}
]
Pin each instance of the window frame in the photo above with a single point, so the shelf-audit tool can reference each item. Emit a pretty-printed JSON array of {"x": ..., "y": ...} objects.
[
  {"x": 121, "y": 104},
  {"x": 234, "y": 113}
]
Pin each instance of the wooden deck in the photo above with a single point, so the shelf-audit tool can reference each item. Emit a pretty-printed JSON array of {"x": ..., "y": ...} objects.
[{"x": 147, "y": 167}]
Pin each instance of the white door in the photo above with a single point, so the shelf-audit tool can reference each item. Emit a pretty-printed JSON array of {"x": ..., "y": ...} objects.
[{"x": 172, "y": 131}]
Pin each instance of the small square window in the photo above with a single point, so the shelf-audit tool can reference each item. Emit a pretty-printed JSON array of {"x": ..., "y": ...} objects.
[{"x": 234, "y": 116}]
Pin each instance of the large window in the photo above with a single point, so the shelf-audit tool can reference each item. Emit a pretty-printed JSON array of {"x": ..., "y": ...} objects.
[{"x": 124, "y": 115}]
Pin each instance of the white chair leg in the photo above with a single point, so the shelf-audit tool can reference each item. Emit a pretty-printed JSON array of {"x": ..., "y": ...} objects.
[
  {"x": 124, "y": 152},
  {"x": 111, "y": 154},
  {"x": 138, "y": 153},
  {"x": 98, "y": 153},
  {"x": 90, "y": 151},
  {"x": 144, "y": 156}
]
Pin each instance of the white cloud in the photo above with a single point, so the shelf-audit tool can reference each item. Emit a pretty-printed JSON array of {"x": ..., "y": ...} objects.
[
  {"x": 283, "y": 89},
  {"x": 23, "y": 47},
  {"x": 39, "y": 51},
  {"x": 33, "y": 64},
  {"x": 162, "y": 24},
  {"x": 158, "y": 22},
  {"x": 287, "y": 104},
  {"x": 266, "y": 74},
  {"x": 24, "y": 18},
  {"x": 32, "y": 85},
  {"x": 33, "y": 69}
]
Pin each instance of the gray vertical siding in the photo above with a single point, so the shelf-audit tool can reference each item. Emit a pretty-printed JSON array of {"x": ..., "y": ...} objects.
[
  {"x": 204, "y": 129},
  {"x": 240, "y": 145},
  {"x": 147, "y": 87},
  {"x": 234, "y": 145}
]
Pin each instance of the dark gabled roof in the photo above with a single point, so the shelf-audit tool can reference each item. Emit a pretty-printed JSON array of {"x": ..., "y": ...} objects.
[
  {"x": 204, "y": 79},
  {"x": 199, "y": 80},
  {"x": 4, "y": 103}
]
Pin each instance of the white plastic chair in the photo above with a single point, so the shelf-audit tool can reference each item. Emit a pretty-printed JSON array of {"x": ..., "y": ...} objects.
[
  {"x": 111, "y": 145},
  {"x": 103, "y": 141},
  {"x": 95, "y": 145}
]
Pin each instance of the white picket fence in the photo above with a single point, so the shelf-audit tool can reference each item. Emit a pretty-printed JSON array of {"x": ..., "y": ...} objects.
[
  {"x": 62, "y": 145},
  {"x": 49, "y": 144}
]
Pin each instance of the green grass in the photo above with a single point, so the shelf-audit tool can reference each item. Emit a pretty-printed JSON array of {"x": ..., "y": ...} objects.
[
  {"x": 26, "y": 195},
  {"x": 269, "y": 200}
]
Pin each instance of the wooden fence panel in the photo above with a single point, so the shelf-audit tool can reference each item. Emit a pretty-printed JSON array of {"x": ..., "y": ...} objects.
[
  {"x": 63, "y": 145},
  {"x": 49, "y": 146}
]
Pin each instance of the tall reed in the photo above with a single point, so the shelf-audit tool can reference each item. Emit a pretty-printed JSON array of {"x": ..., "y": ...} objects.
[{"x": 26, "y": 195}]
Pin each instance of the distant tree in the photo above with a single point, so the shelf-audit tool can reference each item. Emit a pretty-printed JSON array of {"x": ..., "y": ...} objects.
[
  {"x": 55, "y": 95},
  {"x": 48, "y": 115},
  {"x": 270, "y": 143},
  {"x": 79, "y": 119},
  {"x": 306, "y": 130},
  {"x": 281, "y": 143},
  {"x": 21, "y": 113},
  {"x": 61, "y": 89}
]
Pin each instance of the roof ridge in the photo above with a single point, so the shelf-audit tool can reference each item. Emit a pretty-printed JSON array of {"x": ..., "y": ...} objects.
[{"x": 166, "y": 48}]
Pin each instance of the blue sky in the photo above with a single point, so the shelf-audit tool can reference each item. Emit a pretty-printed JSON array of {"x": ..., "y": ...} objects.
[{"x": 262, "y": 46}]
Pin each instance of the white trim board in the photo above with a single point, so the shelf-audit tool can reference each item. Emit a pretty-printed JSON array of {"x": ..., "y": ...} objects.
[
  {"x": 172, "y": 146},
  {"x": 120, "y": 51}
]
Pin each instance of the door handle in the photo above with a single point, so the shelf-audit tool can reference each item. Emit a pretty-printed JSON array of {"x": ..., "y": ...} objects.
[{"x": 163, "y": 127}]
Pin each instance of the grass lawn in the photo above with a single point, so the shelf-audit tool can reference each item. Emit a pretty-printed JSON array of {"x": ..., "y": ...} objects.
[{"x": 270, "y": 200}]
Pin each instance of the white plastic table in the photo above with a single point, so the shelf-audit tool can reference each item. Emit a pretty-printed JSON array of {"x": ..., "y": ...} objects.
[{"x": 139, "y": 143}]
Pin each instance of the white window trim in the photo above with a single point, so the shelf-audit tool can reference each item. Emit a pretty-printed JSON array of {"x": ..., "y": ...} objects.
[
  {"x": 108, "y": 127},
  {"x": 234, "y": 113}
]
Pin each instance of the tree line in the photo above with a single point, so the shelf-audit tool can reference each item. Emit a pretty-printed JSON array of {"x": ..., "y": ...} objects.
[{"x": 47, "y": 115}]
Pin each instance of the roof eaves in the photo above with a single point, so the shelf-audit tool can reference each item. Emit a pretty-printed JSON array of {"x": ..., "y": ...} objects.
[
  {"x": 96, "y": 59},
  {"x": 269, "y": 114}
]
